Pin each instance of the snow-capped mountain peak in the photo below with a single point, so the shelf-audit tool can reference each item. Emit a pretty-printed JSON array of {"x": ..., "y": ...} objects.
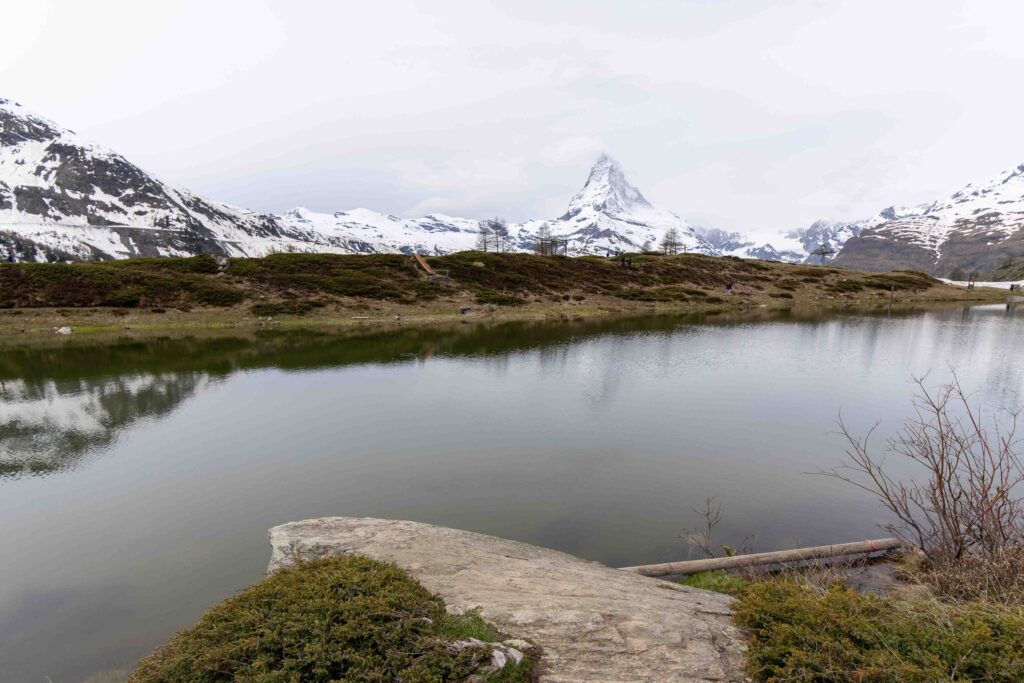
[
  {"x": 65, "y": 198},
  {"x": 62, "y": 198},
  {"x": 607, "y": 191}
]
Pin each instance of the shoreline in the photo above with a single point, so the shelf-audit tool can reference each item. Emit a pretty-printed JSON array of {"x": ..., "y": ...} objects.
[{"x": 34, "y": 324}]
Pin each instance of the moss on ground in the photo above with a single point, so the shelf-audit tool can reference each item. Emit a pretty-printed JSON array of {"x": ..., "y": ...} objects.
[
  {"x": 798, "y": 633},
  {"x": 338, "y": 619},
  {"x": 718, "y": 581}
]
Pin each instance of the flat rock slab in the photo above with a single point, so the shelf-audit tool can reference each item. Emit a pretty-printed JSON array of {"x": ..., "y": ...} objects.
[{"x": 593, "y": 623}]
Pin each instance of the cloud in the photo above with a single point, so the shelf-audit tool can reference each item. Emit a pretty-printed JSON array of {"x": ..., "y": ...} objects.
[
  {"x": 574, "y": 151},
  {"x": 746, "y": 115}
]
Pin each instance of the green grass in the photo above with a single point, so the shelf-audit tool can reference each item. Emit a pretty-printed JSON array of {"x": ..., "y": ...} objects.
[
  {"x": 718, "y": 581},
  {"x": 338, "y": 619},
  {"x": 513, "y": 673},
  {"x": 800, "y": 634},
  {"x": 468, "y": 625}
]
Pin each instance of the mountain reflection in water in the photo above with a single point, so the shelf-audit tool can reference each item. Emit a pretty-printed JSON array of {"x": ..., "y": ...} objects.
[{"x": 138, "y": 478}]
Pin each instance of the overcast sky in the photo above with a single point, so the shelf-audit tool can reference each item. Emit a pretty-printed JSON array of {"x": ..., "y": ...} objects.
[{"x": 752, "y": 116}]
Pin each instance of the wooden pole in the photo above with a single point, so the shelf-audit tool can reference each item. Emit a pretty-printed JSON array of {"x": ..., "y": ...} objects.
[
  {"x": 775, "y": 557},
  {"x": 423, "y": 264}
]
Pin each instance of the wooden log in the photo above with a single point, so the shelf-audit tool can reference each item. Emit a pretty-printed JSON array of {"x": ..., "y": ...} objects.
[
  {"x": 423, "y": 264},
  {"x": 775, "y": 557}
]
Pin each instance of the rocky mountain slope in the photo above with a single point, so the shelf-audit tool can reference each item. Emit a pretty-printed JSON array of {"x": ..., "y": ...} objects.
[
  {"x": 980, "y": 228},
  {"x": 801, "y": 245},
  {"x": 64, "y": 198},
  {"x": 737, "y": 244},
  {"x": 975, "y": 229}
]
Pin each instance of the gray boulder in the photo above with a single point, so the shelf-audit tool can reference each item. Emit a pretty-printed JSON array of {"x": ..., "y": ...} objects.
[{"x": 591, "y": 622}]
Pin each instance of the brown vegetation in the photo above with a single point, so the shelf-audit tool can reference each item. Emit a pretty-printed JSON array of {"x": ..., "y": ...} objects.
[
  {"x": 964, "y": 509},
  {"x": 485, "y": 278}
]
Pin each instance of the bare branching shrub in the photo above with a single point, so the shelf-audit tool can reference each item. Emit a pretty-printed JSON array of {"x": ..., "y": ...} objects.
[
  {"x": 963, "y": 508},
  {"x": 702, "y": 538},
  {"x": 820, "y": 574}
]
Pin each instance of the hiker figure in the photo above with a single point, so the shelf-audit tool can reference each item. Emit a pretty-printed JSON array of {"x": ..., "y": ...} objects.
[
  {"x": 728, "y": 288},
  {"x": 10, "y": 256}
]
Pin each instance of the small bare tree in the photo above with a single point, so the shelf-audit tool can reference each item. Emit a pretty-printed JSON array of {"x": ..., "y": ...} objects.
[
  {"x": 670, "y": 242},
  {"x": 702, "y": 538},
  {"x": 967, "y": 502},
  {"x": 484, "y": 239},
  {"x": 542, "y": 243},
  {"x": 497, "y": 234}
]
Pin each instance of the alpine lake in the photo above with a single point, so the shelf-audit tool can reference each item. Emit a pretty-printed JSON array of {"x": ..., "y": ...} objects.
[{"x": 138, "y": 478}]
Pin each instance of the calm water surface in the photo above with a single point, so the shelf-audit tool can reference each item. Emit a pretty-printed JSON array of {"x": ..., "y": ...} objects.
[{"x": 137, "y": 479}]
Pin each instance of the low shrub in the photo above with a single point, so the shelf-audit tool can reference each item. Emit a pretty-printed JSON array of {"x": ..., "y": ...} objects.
[
  {"x": 780, "y": 295},
  {"x": 338, "y": 619},
  {"x": 667, "y": 293},
  {"x": 425, "y": 290},
  {"x": 296, "y": 307},
  {"x": 995, "y": 577},
  {"x": 814, "y": 273},
  {"x": 499, "y": 299},
  {"x": 125, "y": 298},
  {"x": 799, "y": 634},
  {"x": 203, "y": 263},
  {"x": 242, "y": 267},
  {"x": 900, "y": 280},
  {"x": 214, "y": 294}
]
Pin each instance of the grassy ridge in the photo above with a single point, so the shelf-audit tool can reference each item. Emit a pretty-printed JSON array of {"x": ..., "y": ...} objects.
[{"x": 299, "y": 283}]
